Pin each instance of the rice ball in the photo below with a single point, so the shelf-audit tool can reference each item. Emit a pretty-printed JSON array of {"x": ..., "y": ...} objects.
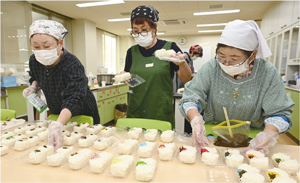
[
  {"x": 280, "y": 157},
  {"x": 144, "y": 170},
  {"x": 167, "y": 136},
  {"x": 187, "y": 154},
  {"x": 252, "y": 177},
  {"x": 260, "y": 163},
  {"x": 160, "y": 53},
  {"x": 290, "y": 166},
  {"x": 276, "y": 172},
  {"x": 284, "y": 180}
]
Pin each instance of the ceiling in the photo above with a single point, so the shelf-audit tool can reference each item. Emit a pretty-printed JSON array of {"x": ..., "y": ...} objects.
[{"x": 168, "y": 10}]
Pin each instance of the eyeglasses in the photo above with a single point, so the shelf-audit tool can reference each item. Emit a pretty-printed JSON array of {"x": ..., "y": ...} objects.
[
  {"x": 143, "y": 33},
  {"x": 231, "y": 63}
]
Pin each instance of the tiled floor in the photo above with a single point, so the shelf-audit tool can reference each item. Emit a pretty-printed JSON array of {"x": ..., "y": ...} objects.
[{"x": 284, "y": 139}]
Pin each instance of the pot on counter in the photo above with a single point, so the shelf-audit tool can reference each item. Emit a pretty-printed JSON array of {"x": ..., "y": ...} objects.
[{"x": 108, "y": 78}]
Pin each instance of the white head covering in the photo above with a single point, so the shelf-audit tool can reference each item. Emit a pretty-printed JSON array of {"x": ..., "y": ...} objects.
[
  {"x": 49, "y": 27},
  {"x": 245, "y": 35}
]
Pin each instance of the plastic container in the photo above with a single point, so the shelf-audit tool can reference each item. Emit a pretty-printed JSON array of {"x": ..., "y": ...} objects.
[
  {"x": 121, "y": 166},
  {"x": 221, "y": 174},
  {"x": 145, "y": 169},
  {"x": 135, "y": 80},
  {"x": 169, "y": 55},
  {"x": 240, "y": 131},
  {"x": 8, "y": 69},
  {"x": 8, "y": 81},
  {"x": 37, "y": 103}
]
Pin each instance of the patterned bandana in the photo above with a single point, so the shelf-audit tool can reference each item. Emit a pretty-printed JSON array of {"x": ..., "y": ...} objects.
[
  {"x": 145, "y": 11},
  {"x": 196, "y": 49},
  {"x": 50, "y": 27}
]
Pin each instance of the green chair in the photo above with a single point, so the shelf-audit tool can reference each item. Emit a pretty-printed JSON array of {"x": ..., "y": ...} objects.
[
  {"x": 78, "y": 119},
  {"x": 143, "y": 123},
  {"x": 253, "y": 131},
  {"x": 7, "y": 114}
]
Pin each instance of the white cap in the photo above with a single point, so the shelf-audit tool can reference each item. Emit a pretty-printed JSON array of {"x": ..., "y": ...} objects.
[{"x": 245, "y": 35}]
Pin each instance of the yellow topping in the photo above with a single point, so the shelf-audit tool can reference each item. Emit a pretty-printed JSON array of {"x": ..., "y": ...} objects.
[{"x": 116, "y": 160}]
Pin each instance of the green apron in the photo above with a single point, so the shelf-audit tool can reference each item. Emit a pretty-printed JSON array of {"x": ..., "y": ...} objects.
[{"x": 152, "y": 99}]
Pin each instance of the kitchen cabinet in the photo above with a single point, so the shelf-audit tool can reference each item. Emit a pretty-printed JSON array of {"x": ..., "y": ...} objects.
[
  {"x": 3, "y": 102},
  {"x": 279, "y": 16},
  {"x": 296, "y": 110},
  {"x": 286, "y": 51},
  {"x": 293, "y": 59},
  {"x": 296, "y": 12},
  {"x": 272, "y": 48},
  {"x": 107, "y": 98}
]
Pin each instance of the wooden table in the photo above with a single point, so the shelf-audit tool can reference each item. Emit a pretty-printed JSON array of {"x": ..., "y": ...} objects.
[{"x": 14, "y": 168}]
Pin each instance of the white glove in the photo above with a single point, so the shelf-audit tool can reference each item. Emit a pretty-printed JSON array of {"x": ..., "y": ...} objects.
[
  {"x": 263, "y": 141},
  {"x": 31, "y": 89},
  {"x": 199, "y": 132},
  {"x": 54, "y": 135}
]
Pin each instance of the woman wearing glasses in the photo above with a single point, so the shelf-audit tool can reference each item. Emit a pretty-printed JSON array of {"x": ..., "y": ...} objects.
[
  {"x": 154, "y": 98},
  {"x": 239, "y": 79}
]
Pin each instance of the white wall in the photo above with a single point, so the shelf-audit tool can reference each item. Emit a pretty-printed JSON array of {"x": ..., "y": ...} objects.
[
  {"x": 91, "y": 47},
  {"x": 100, "y": 48},
  {"x": 85, "y": 44},
  {"x": 125, "y": 42},
  {"x": 78, "y": 40},
  {"x": 204, "y": 40}
]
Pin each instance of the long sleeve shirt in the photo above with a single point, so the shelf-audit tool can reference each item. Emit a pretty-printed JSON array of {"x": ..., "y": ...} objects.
[
  {"x": 255, "y": 98},
  {"x": 65, "y": 86},
  {"x": 150, "y": 52}
]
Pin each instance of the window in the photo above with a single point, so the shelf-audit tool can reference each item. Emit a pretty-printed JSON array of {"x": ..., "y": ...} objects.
[
  {"x": 110, "y": 52},
  {"x": 16, "y": 18}
]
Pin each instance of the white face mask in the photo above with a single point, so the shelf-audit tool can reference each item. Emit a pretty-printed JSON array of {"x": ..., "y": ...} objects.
[
  {"x": 144, "y": 41},
  {"x": 194, "y": 57},
  {"x": 46, "y": 57},
  {"x": 232, "y": 70}
]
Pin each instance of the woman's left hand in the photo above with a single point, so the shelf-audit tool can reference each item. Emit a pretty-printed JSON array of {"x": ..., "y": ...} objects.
[
  {"x": 263, "y": 141},
  {"x": 54, "y": 135},
  {"x": 179, "y": 56}
]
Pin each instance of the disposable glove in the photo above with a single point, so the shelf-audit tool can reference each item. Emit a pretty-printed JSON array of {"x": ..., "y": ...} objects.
[
  {"x": 54, "y": 135},
  {"x": 31, "y": 89},
  {"x": 199, "y": 131},
  {"x": 263, "y": 141}
]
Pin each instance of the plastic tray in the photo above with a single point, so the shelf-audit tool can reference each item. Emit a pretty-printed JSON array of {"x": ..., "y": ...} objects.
[
  {"x": 135, "y": 80},
  {"x": 221, "y": 174},
  {"x": 172, "y": 59}
]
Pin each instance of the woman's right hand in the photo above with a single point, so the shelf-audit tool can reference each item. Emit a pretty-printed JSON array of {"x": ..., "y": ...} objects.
[
  {"x": 199, "y": 132},
  {"x": 123, "y": 72},
  {"x": 29, "y": 90}
]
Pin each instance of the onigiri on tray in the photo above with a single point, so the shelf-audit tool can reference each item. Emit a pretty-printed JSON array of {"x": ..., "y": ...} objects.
[
  {"x": 210, "y": 156},
  {"x": 121, "y": 165},
  {"x": 100, "y": 161},
  {"x": 145, "y": 169}
]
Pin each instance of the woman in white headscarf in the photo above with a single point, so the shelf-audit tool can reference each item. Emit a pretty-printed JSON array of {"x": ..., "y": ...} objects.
[
  {"x": 239, "y": 79},
  {"x": 60, "y": 75}
]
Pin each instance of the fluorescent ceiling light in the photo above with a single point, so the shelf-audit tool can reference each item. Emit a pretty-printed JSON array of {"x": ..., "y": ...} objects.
[
  {"x": 211, "y": 25},
  {"x": 217, "y": 12},
  {"x": 160, "y": 33},
  {"x": 118, "y": 19},
  {"x": 129, "y": 29},
  {"x": 210, "y": 31},
  {"x": 101, "y": 3}
]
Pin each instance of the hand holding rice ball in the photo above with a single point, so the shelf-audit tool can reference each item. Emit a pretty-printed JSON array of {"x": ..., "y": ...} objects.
[
  {"x": 123, "y": 77},
  {"x": 169, "y": 55}
]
